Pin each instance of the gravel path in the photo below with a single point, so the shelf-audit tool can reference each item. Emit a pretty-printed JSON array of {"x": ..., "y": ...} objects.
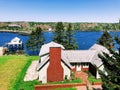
[{"x": 32, "y": 73}]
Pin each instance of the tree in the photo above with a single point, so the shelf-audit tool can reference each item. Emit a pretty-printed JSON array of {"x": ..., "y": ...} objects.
[
  {"x": 70, "y": 41},
  {"x": 39, "y": 38},
  {"x": 59, "y": 34},
  {"x": 65, "y": 37},
  {"x": 111, "y": 62},
  {"x": 35, "y": 41},
  {"x": 105, "y": 40},
  {"x": 30, "y": 42},
  {"x": 119, "y": 25}
]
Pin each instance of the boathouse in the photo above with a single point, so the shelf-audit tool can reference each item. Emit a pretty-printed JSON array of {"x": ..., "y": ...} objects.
[{"x": 15, "y": 44}]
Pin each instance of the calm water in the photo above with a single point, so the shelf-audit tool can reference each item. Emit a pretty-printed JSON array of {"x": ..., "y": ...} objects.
[{"x": 84, "y": 39}]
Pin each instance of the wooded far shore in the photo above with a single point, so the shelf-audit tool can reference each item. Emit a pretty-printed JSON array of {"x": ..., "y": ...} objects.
[{"x": 27, "y": 27}]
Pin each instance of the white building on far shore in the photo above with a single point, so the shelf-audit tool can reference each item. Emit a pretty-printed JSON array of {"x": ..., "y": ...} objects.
[
  {"x": 14, "y": 25},
  {"x": 15, "y": 41},
  {"x": 15, "y": 44}
]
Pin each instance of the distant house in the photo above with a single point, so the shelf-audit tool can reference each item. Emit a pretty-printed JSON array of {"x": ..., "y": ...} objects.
[
  {"x": 49, "y": 29},
  {"x": 15, "y": 44},
  {"x": 14, "y": 26},
  {"x": 56, "y": 63}
]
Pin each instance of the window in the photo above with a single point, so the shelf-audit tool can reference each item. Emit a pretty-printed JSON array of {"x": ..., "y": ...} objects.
[{"x": 85, "y": 65}]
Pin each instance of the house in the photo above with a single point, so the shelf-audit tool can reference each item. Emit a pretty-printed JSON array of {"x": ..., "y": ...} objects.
[
  {"x": 56, "y": 63},
  {"x": 44, "y": 51},
  {"x": 79, "y": 59},
  {"x": 51, "y": 66},
  {"x": 96, "y": 62},
  {"x": 49, "y": 29},
  {"x": 16, "y": 41},
  {"x": 14, "y": 26},
  {"x": 15, "y": 44}
]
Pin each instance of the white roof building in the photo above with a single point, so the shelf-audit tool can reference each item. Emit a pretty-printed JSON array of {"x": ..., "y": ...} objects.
[
  {"x": 14, "y": 25},
  {"x": 99, "y": 48},
  {"x": 15, "y": 40},
  {"x": 44, "y": 51},
  {"x": 45, "y": 48},
  {"x": 73, "y": 58},
  {"x": 78, "y": 55}
]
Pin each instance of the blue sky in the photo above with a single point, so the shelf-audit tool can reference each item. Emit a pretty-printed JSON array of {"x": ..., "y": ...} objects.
[{"x": 60, "y": 10}]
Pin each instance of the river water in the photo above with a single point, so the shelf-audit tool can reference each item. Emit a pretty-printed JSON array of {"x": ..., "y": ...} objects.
[{"x": 84, "y": 39}]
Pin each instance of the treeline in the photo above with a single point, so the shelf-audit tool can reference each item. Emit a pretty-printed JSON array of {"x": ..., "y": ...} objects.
[{"x": 50, "y": 26}]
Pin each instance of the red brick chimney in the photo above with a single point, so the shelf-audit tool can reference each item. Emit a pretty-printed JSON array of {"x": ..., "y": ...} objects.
[{"x": 55, "y": 69}]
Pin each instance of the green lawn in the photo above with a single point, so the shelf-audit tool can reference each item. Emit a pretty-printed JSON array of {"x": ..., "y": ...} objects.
[
  {"x": 12, "y": 70},
  {"x": 67, "y": 81}
]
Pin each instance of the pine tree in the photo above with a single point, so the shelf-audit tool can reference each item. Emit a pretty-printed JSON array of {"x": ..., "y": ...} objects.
[
  {"x": 35, "y": 41},
  {"x": 105, "y": 40},
  {"x": 111, "y": 62},
  {"x": 70, "y": 41},
  {"x": 59, "y": 34},
  {"x": 39, "y": 38},
  {"x": 119, "y": 24},
  {"x": 30, "y": 42}
]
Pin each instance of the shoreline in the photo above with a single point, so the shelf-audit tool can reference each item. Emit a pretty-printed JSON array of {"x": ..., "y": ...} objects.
[
  {"x": 17, "y": 31},
  {"x": 28, "y": 31}
]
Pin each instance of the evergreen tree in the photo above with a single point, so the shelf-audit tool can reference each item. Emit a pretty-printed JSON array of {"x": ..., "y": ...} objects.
[
  {"x": 35, "y": 41},
  {"x": 119, "y": 24},
  {"x": 111, "y": 62},
  {"x": 59, "y": 34},
  {"x": 70, "y": 41},
  {"x": 39, "y": 38},
  {"x": 30, "y": 42},
  {"x": 105, "y": 40}
]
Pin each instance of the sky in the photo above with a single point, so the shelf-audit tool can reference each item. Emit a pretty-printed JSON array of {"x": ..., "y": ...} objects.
[{"x": 60, "y": 10}]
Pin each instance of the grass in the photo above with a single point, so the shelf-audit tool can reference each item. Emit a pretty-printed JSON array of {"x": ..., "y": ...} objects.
[
  {"x": 12, "y": 70},
  {"x": 92, "y": 78},
  {"x": 28, "y": 85},
  {"x": 67, "y": 81}
]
